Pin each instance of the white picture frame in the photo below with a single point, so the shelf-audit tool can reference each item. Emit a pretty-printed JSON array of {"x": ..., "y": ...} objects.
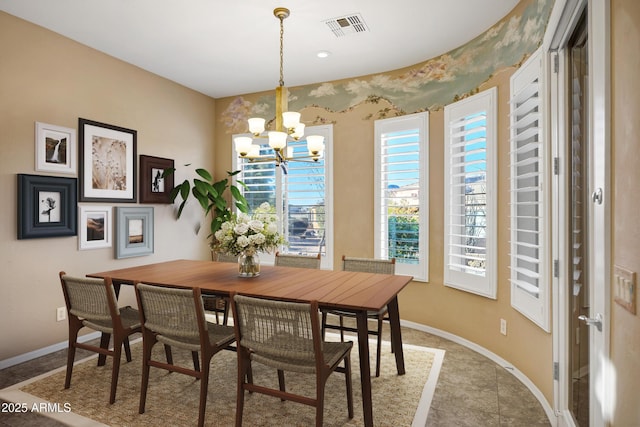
[
  {"x": 56, "y": 149},
  {"x": 95, "y": 227}
]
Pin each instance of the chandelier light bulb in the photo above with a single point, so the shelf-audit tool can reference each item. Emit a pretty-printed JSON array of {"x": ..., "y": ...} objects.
[
  {"x": 290, "y": 119},
  {"x": 315, "y": 144},
  {"x": 254, "y": 152},
  {"x": 256, "y": 125},
  {"x": 243, "y": 145},
  {"x": 298, "y": 132},
  {"x": 277, "y": 140}
]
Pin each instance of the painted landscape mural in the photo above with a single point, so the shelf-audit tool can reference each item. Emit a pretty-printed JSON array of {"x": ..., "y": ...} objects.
[{"x": 426, "y": 86}]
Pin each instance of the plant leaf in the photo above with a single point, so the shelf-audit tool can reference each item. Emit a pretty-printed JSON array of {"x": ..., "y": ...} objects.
[
  {"x": 205, "y": 174},
  {"x": 174, "y": 193},
  {"x": 184, "y": 189},
  {"x": 168, "y": 171},
  {"x": 184, "y": 202}
]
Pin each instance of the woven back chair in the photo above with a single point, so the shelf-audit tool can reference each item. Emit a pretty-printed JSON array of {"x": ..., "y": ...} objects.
[
  {"x": 214, "y": 304},
  {"x": 92, "y": 303},
  {"x": 300, "y": 261},
  {"x": 175, "y": 317},
  {"x": 220, "y": 257},
  {"x": 366, "y": 265},
  {"x": 286, "y": 336}
]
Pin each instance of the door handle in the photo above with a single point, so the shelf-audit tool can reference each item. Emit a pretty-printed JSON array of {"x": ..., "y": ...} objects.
[
  {"x": 596, "y": 196},
  {"x": 590, "y": 321}
]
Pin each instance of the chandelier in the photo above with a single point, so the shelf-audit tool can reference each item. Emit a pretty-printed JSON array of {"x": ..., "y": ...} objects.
[{"x": 287, "y": 124}]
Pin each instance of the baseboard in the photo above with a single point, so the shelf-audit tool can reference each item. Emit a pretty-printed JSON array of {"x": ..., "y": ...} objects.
[
  {"x": 25, "y": 357},
  {"x": 495, "y": 358}
]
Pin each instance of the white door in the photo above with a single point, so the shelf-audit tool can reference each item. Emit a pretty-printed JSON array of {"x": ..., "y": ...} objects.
[
  {"x": 599, "y": 226},
  {"x": 580, "y": 129}
]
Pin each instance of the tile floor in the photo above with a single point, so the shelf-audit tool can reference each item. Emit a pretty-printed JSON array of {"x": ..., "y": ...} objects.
[{"x": 472, "y": 390}]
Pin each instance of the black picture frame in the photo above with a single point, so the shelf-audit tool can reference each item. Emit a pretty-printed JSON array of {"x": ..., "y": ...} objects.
[
  {"x": 153, "y": 187},
  {"x": 108, "y": 162},
  {"x": 47, "y": 206}
]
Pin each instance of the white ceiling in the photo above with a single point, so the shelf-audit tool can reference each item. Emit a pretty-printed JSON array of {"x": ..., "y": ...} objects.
[{"x": 224, "y": 48}]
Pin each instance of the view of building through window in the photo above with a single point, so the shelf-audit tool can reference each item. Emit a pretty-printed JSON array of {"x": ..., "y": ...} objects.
[{"x": 298, "y": 192}]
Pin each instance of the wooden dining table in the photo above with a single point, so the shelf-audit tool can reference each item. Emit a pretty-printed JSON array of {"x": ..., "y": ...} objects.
[{"x": 355, "y": 292}]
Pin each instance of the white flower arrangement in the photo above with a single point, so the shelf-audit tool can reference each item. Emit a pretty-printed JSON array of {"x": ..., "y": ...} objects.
[{"x": 250, "y": 234}]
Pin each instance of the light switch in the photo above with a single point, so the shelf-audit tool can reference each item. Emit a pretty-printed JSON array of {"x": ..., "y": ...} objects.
[{"x": 624, "y": 288}]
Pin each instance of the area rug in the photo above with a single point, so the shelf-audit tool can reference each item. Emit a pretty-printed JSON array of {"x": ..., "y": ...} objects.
[{"x": 172, "y": 398}]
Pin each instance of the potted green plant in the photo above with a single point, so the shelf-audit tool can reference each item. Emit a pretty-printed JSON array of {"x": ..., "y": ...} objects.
[{"x": 211, "y": 196}]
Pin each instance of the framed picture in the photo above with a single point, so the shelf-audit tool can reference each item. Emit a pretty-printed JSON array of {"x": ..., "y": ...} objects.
[
  {"x": 55, "y": 149},
  {"x": 153, "y": 187},
  {"x": 107, "y": 162},
  {"x": 134, "y": 231},
  {"x": 46, "y": 206},
  {"x": 95, "y": 227}
]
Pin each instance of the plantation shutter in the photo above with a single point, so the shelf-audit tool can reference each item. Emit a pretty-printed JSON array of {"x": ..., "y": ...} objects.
[
  {"x": 528, "y": 219},
  {"x": 470, "y": 188},
  {"x": 401, "y": 210},
  {"x": 304, "y": 203}
]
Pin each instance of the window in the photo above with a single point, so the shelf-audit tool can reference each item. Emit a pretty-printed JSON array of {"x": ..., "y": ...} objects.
[
  {"x": 401, "y": 193},
  {"x": 529, "y": 284},
  {"x": 470, "y": 194},
  {"x": 301, "y": 191}
]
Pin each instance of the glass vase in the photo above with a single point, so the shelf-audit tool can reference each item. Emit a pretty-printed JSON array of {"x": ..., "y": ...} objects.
[{"x": 248, "y": 265}]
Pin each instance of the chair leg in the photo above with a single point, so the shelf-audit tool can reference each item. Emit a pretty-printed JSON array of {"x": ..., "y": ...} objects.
[
  {"x": 74, "y": 327},
  {"x": 196, "y": 362},
  {"x": 225, "y": 317},
  {"x": 168, "y": 354},
  {"x": 104, "y": 343},
  {"x": 147, "y": 346},
  {"x": 127, "y": 349},
  {"x": 204, "y": 384},
  {"x": 347, "y": 376},
  {"x": 324, "y": 324},
  {"x": 379, "y": 346},
  {"x": 281, "y": 382},
  {"x": 320, "y": 383},
  {"x": 117, "y": 352},
  {"x": 341, "y": 328},
  {"x": 244, "y": 376}
]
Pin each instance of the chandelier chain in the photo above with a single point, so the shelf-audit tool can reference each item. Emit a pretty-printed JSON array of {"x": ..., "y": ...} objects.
[{"x": 281, "y": 50}]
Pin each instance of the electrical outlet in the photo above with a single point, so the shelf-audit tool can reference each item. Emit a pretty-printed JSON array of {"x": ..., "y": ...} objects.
[
  {"x": 503, "y": 326},
  {"x": 61, "y": 314}
]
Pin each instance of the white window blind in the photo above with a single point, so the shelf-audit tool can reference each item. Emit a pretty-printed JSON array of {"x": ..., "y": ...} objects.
[
  {"x": 401, "y": 192},
  {"x": 529, "y": 281},
  {"x": 302, "y": 196},
  {"x": 470, "y": 183}
]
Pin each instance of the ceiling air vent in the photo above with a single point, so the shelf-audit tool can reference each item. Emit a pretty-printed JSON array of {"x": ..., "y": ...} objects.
[{"x": 347, "y": 25}]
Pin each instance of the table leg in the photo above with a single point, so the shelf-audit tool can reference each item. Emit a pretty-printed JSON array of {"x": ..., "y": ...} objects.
[
  {"x": 365, "y": 369},
  {"x": 396, "y": 334}
]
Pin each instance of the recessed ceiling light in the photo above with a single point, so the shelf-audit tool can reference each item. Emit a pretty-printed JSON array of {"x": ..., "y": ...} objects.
[{"x": 323, "y": 54}]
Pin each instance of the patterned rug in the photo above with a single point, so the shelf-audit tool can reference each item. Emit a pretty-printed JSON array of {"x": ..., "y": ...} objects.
[{"x": 172, "y": 399}]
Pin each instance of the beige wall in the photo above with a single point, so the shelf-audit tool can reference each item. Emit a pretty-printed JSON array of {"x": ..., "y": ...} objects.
[
  {"x": 47, "y": 78},
  {"x": 625, "y": 327}
]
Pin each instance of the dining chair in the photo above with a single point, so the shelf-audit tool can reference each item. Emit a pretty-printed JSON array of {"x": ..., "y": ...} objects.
[
  {"x": 300, "y": 261},
  {"x": 216, "y": 305},
  {"x": 175, "y": 317},
  {"x": 286, "y": 336},
  {"x": 92, "y": 303},
  {"x": 367, "y": 265}
]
